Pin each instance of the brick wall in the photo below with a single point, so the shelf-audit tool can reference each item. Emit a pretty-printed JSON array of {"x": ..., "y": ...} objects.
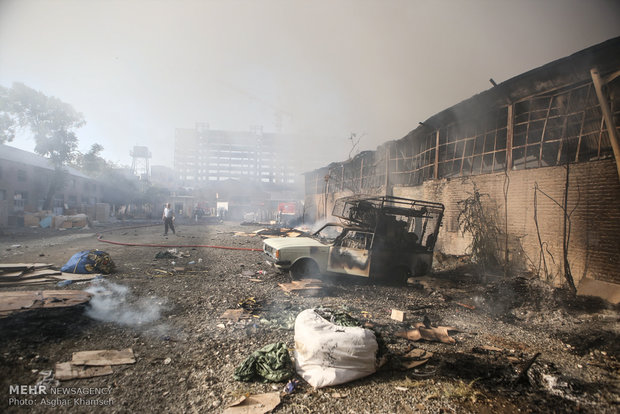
[{"x": 593, "y": 198}]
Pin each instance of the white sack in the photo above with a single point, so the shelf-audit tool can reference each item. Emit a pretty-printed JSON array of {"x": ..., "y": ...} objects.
[{"x": 327, "y": 354}]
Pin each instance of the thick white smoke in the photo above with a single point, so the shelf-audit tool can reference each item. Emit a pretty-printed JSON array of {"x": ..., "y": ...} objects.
[{"x": 115, "y": 303}]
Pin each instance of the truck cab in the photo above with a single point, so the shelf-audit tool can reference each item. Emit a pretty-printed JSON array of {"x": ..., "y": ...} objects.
[{"x": 383, "y": 238}]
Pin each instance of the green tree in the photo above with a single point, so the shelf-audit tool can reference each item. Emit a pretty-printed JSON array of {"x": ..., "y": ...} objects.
[
  {"x": 91, "y": 163},
  {"x": 51, "y": 122}
]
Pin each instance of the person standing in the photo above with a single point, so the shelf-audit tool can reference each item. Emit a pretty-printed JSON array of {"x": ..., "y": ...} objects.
[{"x": 168, "y": 218}]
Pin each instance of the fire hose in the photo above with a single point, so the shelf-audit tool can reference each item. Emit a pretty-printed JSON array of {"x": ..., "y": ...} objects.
[{"x": 101, "y": 239}]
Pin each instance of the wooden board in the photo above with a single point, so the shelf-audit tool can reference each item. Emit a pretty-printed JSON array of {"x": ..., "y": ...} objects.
[
  {"x": 103, "y": 357},
  {"x": 235, "y": 315},
  {"x": 66, "y": 371},
  {"x": 22, "y": 266},
  {"x": 18, "y": 301},
  {"x": 305, "y": 286},
  {"x": 254, "y": 404},
  {"x": 28, "y": 282},
  {"x": 76, "y": 276},
  {"x": 12, "y": 276}
]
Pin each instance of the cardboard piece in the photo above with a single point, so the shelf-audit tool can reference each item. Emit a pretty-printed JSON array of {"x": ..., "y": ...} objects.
[
  {"x": 415, "y": 358},
  {"x": 434, "y": 334},
  {"x": 7, "y": 267},
  {"x": 76, "y": 276},
  {"x": 18, "y": 301},
  {"x": 254, "y": 404},
  {"x": 66, "y": 371},
  {"x": 398, "y": 315},
  {"x": 304, "y": 286},
  {"x": 27, "y": 274},
  {"x": 234, "y": 314},
  {"x": 103, "y": 357}
]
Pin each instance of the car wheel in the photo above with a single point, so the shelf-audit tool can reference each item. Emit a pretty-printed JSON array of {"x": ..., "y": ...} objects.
[{"x": 304, "y": 268}]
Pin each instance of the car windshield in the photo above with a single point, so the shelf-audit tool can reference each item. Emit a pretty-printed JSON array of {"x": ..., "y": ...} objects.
[{"x": 328, "y": 233}]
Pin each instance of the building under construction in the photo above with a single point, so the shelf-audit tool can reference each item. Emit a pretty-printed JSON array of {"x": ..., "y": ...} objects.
[
  {"x": 203, "y": 155},
  {"x": 535, "y": 152}
]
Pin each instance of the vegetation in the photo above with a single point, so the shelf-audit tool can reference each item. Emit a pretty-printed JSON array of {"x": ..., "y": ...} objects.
[{"x": 51, "y": 122}]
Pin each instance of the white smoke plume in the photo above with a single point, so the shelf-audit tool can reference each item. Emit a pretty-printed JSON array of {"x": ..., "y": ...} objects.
[{"x": 115, "y": 303}]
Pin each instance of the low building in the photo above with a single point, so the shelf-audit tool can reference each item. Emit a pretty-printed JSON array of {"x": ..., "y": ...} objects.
[
  {"x": 24, "y": 183},
  {"x": 536, "y": 151}
]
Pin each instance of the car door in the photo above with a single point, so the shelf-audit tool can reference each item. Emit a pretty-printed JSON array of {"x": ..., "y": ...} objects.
[{"x": 350, "y": 253}]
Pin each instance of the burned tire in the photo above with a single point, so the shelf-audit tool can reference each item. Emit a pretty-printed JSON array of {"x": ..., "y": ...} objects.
[{"x": 304, "y": 268}]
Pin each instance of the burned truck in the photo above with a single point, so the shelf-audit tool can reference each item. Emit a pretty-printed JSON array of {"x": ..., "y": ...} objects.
[{"x": 383, "y": 238}]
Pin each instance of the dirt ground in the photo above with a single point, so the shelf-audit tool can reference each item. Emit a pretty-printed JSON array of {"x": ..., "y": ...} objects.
[{"x": 186, "y": 354}]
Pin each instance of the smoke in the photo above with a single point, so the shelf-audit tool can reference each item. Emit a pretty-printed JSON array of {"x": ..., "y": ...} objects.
[{"x": 115, "y": 303}]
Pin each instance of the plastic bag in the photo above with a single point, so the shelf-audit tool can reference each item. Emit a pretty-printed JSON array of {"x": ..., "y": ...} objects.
[
  {"x": 89, "y": 261},
  {"x": 328, "y": 354}
]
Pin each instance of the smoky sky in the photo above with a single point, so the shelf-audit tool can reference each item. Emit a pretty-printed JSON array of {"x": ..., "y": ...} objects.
[{"x": 319, "y": 69}]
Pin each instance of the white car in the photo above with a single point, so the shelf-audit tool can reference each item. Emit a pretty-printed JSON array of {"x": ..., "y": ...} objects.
[{"x": 388, "y": 238}]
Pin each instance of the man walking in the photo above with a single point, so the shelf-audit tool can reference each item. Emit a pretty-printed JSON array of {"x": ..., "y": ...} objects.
[{"x": 168, "y": 218}]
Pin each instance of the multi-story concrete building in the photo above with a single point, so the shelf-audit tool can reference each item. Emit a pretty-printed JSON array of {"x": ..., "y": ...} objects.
[
  {"x": 24, "y": 183},
  {"x": 204, "y": 155}
]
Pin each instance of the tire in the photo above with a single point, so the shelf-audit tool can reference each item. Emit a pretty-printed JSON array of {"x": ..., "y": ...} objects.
[{"x": 304, "y": 268}]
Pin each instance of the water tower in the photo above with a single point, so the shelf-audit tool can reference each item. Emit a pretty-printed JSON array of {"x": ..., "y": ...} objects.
[{"x": 140, "y": 162}]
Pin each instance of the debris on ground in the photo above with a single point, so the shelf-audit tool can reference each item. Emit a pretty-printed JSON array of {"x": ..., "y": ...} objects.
[
  {"x": 250, "y": 305},
  {"x": 435, "y": 334},
  {"x": 328, "y": 354},
  {"x": 234, "y": 315},
  {"x": 271, "y": 363},
  {"x": 307, "y": 287},
  {"x": 577, "y": 370},
  {"x": 397, "y": 315},
  {"x": 290, "y": 386},
  {"x": 89, "y": 261},
  {"x": 66, "y": 371},
  {"x": 167, "y": 254},
  {"x": 171, "y": 254},
  {"x": 415, "y": 358},
  {"x": 254, "y": 404},
  {"x": 18, "y": 301},
  {"x": 18, "y": 274},
  {"x": 88, "y": 364},
  {"x": 103, "y": 357}
]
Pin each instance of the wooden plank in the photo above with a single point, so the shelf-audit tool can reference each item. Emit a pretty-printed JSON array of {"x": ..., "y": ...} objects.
[
  {"x": 27, "y": 282},
  {"x": 66, "y": 371},
  {"x": 398, "y": 315},
  {"x": 75, "y": 276},
  {"x": 22, "y": 266},
  {"x": 103, "y": 357},
  {"x": 234, "y": 314},
  {"x": 24, "y": 300},
  {"x": 12, "y": 276}
]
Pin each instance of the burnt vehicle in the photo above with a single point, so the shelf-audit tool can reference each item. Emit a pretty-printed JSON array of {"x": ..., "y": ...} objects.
[{"x": 383, "y": 238}]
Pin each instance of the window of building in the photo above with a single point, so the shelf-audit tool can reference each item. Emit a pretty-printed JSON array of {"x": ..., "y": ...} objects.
[
  {"x": 19, "y": 200},
  {"x": 565, "y": 126},
  {"x": 21, "y": 175}
]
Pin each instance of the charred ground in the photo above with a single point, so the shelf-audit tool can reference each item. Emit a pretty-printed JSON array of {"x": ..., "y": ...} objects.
[{"x": 185, "y": 360}]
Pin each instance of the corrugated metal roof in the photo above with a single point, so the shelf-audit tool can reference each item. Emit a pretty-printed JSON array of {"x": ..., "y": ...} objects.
[{"x": 29, "y": 158}]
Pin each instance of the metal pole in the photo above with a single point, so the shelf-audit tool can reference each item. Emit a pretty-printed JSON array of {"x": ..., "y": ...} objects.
[{"x": 609, "y": 121}]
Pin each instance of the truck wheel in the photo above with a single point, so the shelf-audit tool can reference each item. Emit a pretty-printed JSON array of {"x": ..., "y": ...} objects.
[{"x": 304, "y": 268}]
